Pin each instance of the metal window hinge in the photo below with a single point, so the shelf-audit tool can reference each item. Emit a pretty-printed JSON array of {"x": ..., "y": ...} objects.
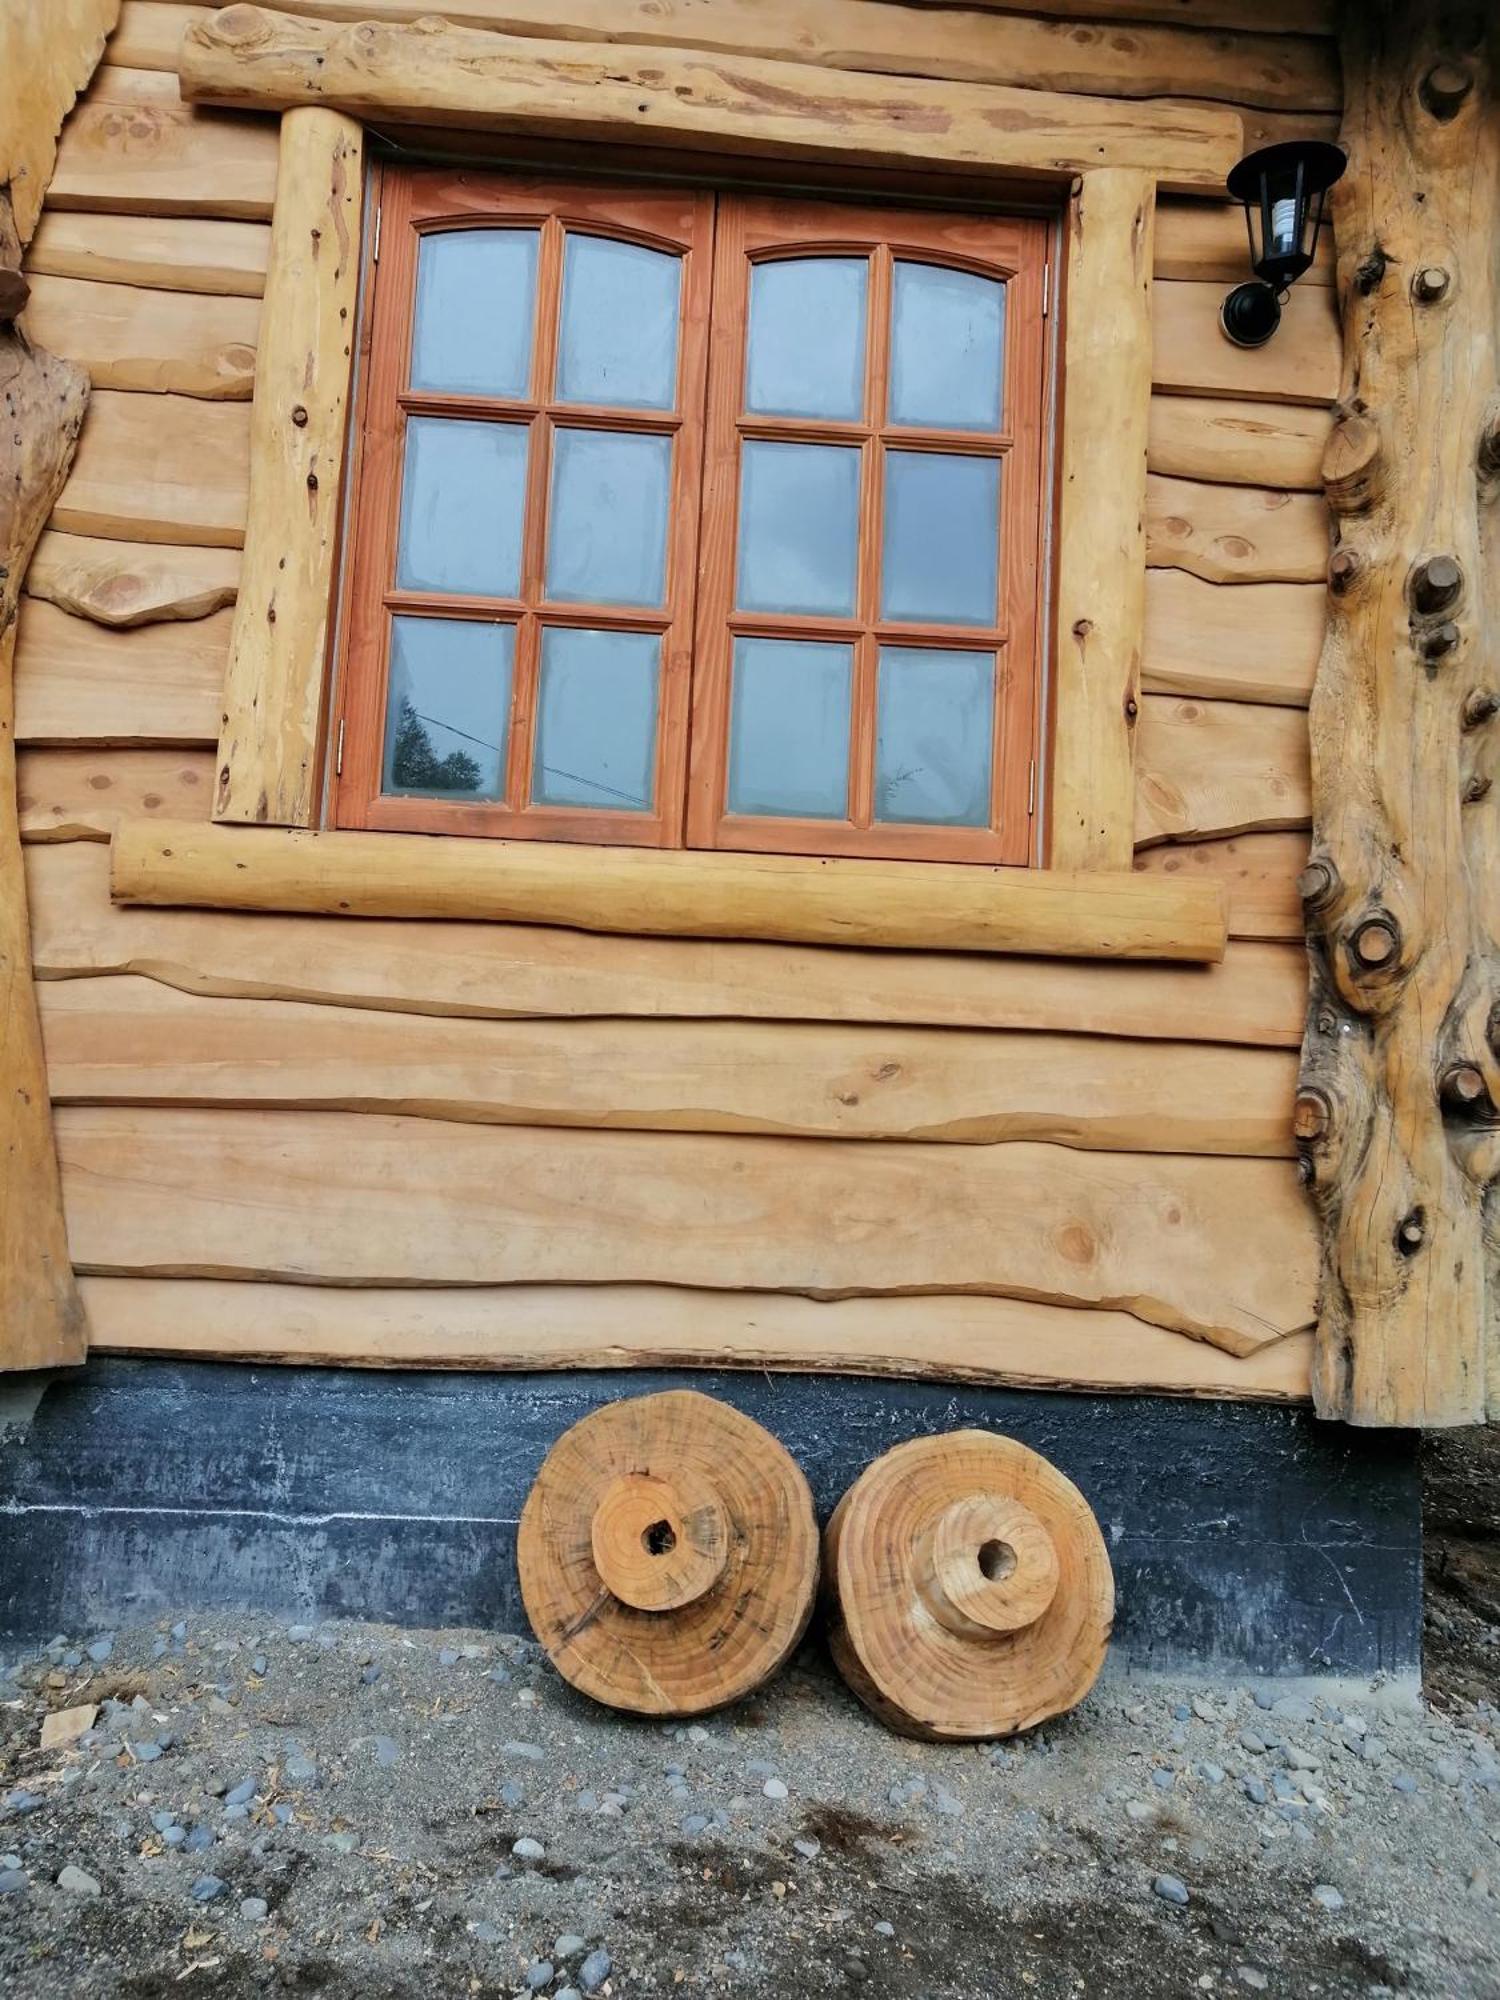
[
  {"x": 1046, "y": 289},
  {"x": 1030, "y": 786},
  {"x": 338, "y": 752},
  {"x": 375, "y": 237}
]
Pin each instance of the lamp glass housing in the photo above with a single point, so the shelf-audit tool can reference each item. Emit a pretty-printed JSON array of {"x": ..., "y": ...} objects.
[{"x": 1284, "y": 189}]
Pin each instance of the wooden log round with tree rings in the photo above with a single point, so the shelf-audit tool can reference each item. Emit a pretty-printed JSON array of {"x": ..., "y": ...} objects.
[
  {"x": 968, "y": 1589},
  {"x": 668, "y": 1554}
]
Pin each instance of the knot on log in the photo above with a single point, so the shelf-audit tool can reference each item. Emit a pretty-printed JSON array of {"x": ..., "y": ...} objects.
[
  {"x": 1476, "y": 788},
  {"x": 1435, "y": 585},
  {"x": 1354, "y": 465},
  {"x": 1489, "y": 446},
  {"x": 1311, "y": 1116},
  {"x": 1463, "y": 1091},
  {"x": 1375, "y": 944},
  {"x": 1318, "y": 885},
  {"x": 1444, "y": 89},
  {"x": 1479, "y": 705},
  {"x": 1411, "y": 1231},
  {"x": 1343, "y": 571},
  {"x": 1430, "y": 284},
  {"x": 1440, "y": 641},
  {"x": 237, "y": 27}
]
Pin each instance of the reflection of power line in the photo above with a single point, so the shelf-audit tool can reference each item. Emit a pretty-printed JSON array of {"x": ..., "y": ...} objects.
[{"x": 551, "y": 770}]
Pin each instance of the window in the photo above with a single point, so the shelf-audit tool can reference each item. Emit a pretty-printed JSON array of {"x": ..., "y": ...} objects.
[{"x": 685, "y": 520}]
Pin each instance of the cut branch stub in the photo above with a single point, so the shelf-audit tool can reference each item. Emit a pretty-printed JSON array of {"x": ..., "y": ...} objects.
[
  {"x": 1479, "y": 707},
  {"x": 1430, "y": 284},
  {"x": 1435, "y": 585},
  {"x": 1375, "y": 944},
  {"x": 1440, "y": 641},
  {"x": 1318, "y": 885},
  {"x": 1445, "y": 88},
  {"x": 1354, "y": 465},
  {"x": 1343, "y": 571},
  {"x": 1464, "y": 1091},
  {"x": 968, "y": 1588},
  {"x": 668, "y": 1554}
]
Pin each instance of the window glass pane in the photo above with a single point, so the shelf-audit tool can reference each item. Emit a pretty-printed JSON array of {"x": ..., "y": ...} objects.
[
  {"x": 448, "y": 708},
  {"x": 934, "y": 736},
  {"x": 607, "y": 534},
  {"x": 799, "y": 527},
  {"x": 947, "y": 338},
  {"x": 789, "y": 728},
  {"x": 463, "y": 499},
  {"x": 942, "y": 538},
  {"x": 807, "y": 337},
  {"x": 596, "y": 720},
  {"x": 476, "y": 303},
  {"x": 619, "y": 324}
]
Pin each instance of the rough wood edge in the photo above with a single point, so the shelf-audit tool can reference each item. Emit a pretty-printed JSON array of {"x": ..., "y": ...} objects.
[
  {"x": 793, "y": 898},
  {"x": 1101, "y": 536}
]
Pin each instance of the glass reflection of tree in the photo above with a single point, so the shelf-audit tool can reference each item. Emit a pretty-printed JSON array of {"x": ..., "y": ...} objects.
[{"x": 416, "y": 766}]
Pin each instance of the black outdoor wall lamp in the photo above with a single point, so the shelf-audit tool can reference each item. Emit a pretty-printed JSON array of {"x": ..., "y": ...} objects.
[{"x": 1283, "y": 189}]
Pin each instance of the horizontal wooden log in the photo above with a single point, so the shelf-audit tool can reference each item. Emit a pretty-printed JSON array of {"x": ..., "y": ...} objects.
[
  {"x": 122, "y": 584},
  {"x": 78, "y": 683},
  {"x": 432, "y": 74},
  {"x": 1257, "y": 643},
  {"x": 1256, "y": 997},
  {"x": 1303, "y": 17},
  {"x": 628, "y": 1326},
  {"x": 1238, "y": 444},
  {"x": 1206, "y": 242},
  {"x": 1235, "y": 534},
  {"x": 133, "y": 148},
  {"x": 1258, "y": 872},
  {"x": 1191, "y": 353},
  {"x": 1121, "y": 59},
  {"x": 160, "y": 469},
  {"x": 135, "y": 1041},
  {"x": 1206, "y": 768},
  {"x": 83, "y": 794},
  {"x": 1222, "y": 1250},
  {"x": 131, "y": 338},
  {"x": 794, "y": 898},
  {"x": 171, "y": 252}
]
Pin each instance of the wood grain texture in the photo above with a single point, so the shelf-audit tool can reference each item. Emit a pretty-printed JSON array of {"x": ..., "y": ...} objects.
[
  {"x": 274, "y": 685},
  {"x": 1100, "y": 616},
  {"x": 1208, "y": 768},
  {"x": 1192, "y": 353},
  {"x": 794, "y": 898},
  {"x": 76, "y": 682},
  {"x": 130, "y": 338},
  {"x": 1257, "y": 643},
  {"x": 1401, "y": 1069},
  {"x": 47, "y": 55},
  {"x": 1206, "y": 242},
  {"x": 1255, "y": 997},
  {"x": 134, "y": 148},
  {"x": 160, "y": 469},
  {"x": 82, "y": 794},
  {"x": 1114, "y": 59},
  {"x": 1238, "y": 444},
  {"x": 1258, "y": 872},
  {"x": 434, "y": 75},
  {"x": 1223, "y": 1250},
  {"x": 123, "y": 584},
  {"x": 956, "y": 1338},
  {"x": 171, "y": 252},
  {"x": 135, "y": 1041},
  {"x": 1236, "y": 534},
  {"x": 1303, "y": 17}
]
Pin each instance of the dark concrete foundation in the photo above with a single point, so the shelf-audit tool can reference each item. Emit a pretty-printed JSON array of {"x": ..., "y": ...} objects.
[{"x": 1246, "y": 1538}]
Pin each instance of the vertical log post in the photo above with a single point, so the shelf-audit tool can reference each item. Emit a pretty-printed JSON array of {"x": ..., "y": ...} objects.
[{"x": 1397, "y": 1118}]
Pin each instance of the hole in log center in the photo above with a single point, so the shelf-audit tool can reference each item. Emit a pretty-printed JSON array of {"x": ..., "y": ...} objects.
[
  {"x": 997, "y": 1560},
  {"x": 658, "y": 1539}
]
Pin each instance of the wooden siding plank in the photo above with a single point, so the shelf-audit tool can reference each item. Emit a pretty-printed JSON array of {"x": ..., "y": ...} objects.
[
  {"x": 579, "y": 1326},
  {"x": 274, "y": 683},
  {"x": 1206, "y": 241},
  {"x": 1257, "y": 643},
  {"x": 1308, "y": 17},
  {"x": 122, "y": 584},
  {"x": 159, "y": 469},
  {"x": 130, "y": 338},
  {"x": 1217, "y": 767},
  {"x": 1100, "y": 616},
  {"x": 1236, "y": 534},
  {"x": 1191, "y": 353},
  {"x": 625, "y": 1326},
  {"x": 134, "y": 1041},
  {"x": 132, "y": 147},
  {"x": 1238, "y": 444},
  {"x": 250, "y": 57},
  {"x": 797, "y": 898},
  {"x": 78, "y": 683},
  {"x": 1256, "y": 997},
  {"x": 1223, "y": 1250},
  {"x": 1258, "y": 872},
  {"x": 173, "y": 253},
  {"x": 83, "y": 794}
]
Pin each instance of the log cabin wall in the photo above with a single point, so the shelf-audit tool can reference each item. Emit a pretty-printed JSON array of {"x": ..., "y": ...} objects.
[{"x": 448, "y": 1143}]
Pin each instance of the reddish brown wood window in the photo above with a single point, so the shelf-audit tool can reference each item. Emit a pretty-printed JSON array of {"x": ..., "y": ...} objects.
[{"x": 695, "y": 520}]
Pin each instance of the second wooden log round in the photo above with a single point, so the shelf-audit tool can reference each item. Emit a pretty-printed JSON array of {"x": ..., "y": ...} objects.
[
  {"x": 968, "y": 1588},
  {"x": 668, "y": 1554}
]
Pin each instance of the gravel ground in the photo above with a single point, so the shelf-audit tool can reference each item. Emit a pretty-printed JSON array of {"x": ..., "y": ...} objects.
[{"x": 351, "y": 1810}]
